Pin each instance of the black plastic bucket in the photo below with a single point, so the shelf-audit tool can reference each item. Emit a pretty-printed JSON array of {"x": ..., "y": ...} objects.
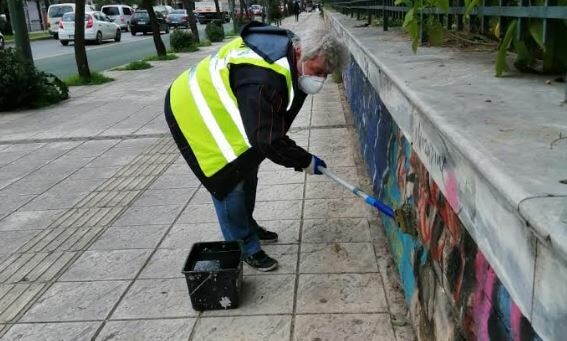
[{"x": 213, "y": 272}]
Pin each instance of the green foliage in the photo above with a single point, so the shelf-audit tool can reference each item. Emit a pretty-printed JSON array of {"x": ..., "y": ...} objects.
[
  {"x": 182, "y": 41},
  {"x": 154, "y": 58},
  {"x": 215, "y": 31},
  {"x": 412, "y": 21},
  {"x": 95, "y": 79},
  {"x": 137, "y": 65},
  {"x": 23, "y": 86},
  {"x": 205, "y": 43},
  {"x": 501, "y": 65}
]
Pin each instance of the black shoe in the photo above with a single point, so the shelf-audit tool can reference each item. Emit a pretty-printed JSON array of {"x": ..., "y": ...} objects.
[
  {"x": 261, "y": 261},
  {"x": 266, "y": 236}
]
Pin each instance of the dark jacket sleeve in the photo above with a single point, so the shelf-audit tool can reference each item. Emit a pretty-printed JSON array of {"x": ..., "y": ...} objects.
[{"x": 262, "y": 107}]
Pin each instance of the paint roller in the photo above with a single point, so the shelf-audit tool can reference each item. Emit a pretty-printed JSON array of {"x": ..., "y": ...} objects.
[{"x": 403, "y": 216}]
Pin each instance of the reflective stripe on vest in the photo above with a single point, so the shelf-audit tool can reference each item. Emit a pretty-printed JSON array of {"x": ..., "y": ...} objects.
[{"x": 206, "y": 109}]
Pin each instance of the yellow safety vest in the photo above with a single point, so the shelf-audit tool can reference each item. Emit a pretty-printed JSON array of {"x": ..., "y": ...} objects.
[{"x": 206, "y": 109}]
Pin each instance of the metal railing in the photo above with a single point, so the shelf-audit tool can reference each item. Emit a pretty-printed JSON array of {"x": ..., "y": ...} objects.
[{"x": 387, "y": 11}]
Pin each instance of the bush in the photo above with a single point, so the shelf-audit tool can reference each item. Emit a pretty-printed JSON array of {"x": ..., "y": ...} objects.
[
  {"x": 181, "y": 41},
  {"x": 23, "y": 86},
  {"x": 215, "y": 31},
  {"x": 155, "y": 58}
]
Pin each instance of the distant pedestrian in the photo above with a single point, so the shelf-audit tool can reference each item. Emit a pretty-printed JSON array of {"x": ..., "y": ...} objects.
[{"x": 296, "y": 10}]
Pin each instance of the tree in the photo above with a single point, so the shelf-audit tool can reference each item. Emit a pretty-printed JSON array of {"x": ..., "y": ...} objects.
[
  {"x": 80, "y": 52},
  {"x": 189, "y": 5},
  {"x": 160, "y": 47},
  {"x": 217, "y": 8}
]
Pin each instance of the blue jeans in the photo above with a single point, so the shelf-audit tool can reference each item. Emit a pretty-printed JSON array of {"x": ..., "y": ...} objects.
[{"x": 235, "y": 214}]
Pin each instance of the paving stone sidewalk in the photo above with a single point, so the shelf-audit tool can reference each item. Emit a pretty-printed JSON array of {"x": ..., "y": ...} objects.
[{"x": 98, "y": 213}]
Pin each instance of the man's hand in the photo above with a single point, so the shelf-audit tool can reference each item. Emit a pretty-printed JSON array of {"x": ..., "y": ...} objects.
[{"x": 313, "y": 166}]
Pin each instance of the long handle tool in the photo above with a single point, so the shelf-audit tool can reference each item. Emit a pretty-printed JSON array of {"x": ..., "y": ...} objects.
[{"x": 403, "y": 216}]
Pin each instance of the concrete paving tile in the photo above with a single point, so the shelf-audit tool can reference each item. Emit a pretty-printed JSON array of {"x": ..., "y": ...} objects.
[
  {"x": 347, "y": 327},
  {"x": 172, "y": 181},
  {"x": 344, "y": 293},
  {"x": 286, "y": 255},
  {"x": 107, "y": 265},
  {"x": 31, "y": 184},
  {"x": 9, "y": 203},
  {"x": 95, "y": 173},
  {"x": 76, "y": 186},
  {"x": 130, "y": 237},
  {"x": 157, "y": 197},
  {"x": 156, "y": 298},
  {"x": 54, "y": 201},
  {"x": 348, "y": 173},
  {"x": 147, "y": 330},
  {"x": 76, "y": 301},
  {"x": 287, "y": 230},
  {"x": 201, "y": 197},
  {"x": 336, "y": 230},
  {"x": 326, "y": 190},
  {"x": 335, "y": 208},
  {"x": 166, "y": 263},
  {"x": 198, "y": 214},
  {"x": 337, "y": 258},
  {"x": 67, "y": 331},
  {"x": 271, "y": 294},
  {"x": 280, "y": 177},
  {"x": 279, "y": 192},
  {"x": 11, "y": 241},
  {"x": 270, "y": 210},
  {"x": 151, "y": 215},
  {"x": 185, "y": 235},
  {"x": 29, "y": 220},
  {"x": 243, "y": 328}
]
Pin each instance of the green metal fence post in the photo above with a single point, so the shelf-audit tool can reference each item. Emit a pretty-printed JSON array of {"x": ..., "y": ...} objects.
[{"x": 384, "y": 16}]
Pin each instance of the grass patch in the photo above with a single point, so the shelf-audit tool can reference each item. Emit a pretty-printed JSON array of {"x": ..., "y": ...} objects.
[
  {"x": 137, "y": 65},
  {"x": 39, "y": 35},
  {"x": 229, "y": 34},
  {"x": 169, "y": 56},
  {"x": 96, "y": 79},
  {"x": 205, "y": 43},
  {"x": 337, "y": 77}
]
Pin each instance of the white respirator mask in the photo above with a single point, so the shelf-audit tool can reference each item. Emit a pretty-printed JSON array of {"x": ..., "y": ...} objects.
[{"x": 311, "y": 84}]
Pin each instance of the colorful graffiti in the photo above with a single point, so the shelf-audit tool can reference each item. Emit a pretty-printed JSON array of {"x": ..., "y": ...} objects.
[{"x": 451, "y": 289}]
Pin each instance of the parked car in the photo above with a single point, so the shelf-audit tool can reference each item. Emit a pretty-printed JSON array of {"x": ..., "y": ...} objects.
[
  {"x": 120, "y": 14},
  {"x": 2, "y": 41},
  {"x": 164, "y": 10},
  {"x": 140, "y": 22},
  {"x": 177, "y": 18},
  {"x": 98, "y": 27},
  {"x": 56, "y": 12}
]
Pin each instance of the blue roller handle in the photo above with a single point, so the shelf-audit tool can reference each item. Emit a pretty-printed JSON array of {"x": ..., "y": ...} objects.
[{"x": 387, "y": 210}]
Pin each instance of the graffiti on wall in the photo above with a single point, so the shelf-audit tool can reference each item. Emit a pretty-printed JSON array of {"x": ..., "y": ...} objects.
[{"x": 451, "y": 289}]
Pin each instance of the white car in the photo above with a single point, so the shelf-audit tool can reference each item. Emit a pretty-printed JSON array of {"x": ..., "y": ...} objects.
[
  {"x": 98, "y": 27},
  {"x": 121, "y": 14},
  {"x": 55, "y": 12}
]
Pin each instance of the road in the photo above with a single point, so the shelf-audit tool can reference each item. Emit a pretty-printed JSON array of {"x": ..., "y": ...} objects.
[{"x": 51, "y": 56}]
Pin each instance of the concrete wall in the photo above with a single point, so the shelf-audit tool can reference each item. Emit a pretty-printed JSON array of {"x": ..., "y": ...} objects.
[
  {"x": 472, "y": 267},
  {"x": 448, "y": 284}
]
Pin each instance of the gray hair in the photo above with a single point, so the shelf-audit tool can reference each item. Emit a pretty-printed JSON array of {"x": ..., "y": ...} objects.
[{"x": 325, "y": 44}]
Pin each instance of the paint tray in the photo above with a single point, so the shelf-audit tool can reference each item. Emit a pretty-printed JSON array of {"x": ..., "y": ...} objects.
[{"x": 213, "y": 271}]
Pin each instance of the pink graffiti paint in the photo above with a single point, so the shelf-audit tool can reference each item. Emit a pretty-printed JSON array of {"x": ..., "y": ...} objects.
[
  {"x": 515, "y": 322},
  {"x": 451, "y": 188},
  {"x": 482, "y": 299}
]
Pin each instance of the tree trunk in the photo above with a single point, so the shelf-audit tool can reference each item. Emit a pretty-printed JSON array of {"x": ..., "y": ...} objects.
[
  {"x": 189, "y": 5},
  {"x": 160, "y": 47},
  {"x": 217, "y": 8},
  {"x": 80, "y": 52}
]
